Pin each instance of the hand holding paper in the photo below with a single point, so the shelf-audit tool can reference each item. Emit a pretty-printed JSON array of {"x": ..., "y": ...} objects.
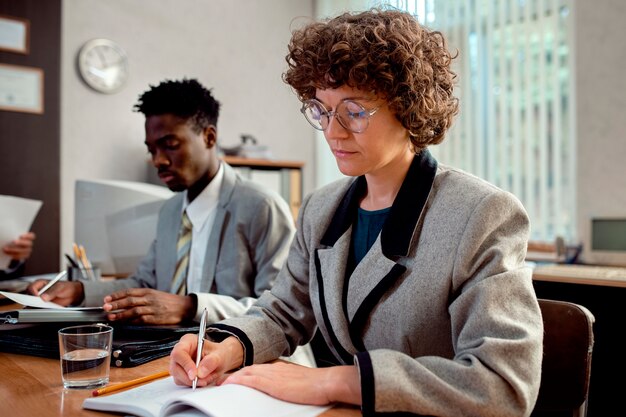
[
  {"x": 20, "y": 248},
  {"x": 16, "y": 217},
  {"x": 34, "y": 301}
]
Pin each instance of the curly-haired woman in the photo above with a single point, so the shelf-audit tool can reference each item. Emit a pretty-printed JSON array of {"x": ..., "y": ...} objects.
[{"x": 412, "y": 272}]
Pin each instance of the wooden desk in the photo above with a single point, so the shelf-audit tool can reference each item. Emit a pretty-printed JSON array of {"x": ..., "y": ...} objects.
[
  {"x": 606, "y": 276},
  {"x": 31, "y": 386}
]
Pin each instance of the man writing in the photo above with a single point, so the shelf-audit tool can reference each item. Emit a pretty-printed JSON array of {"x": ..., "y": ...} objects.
[{"x": 220, "y": 240}]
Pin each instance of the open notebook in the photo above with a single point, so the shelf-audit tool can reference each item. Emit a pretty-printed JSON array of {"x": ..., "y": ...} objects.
[{"x": 163, "y": 398}]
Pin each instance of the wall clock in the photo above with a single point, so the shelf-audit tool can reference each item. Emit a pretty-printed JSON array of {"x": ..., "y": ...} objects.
[{"x": 103, "y": 65}]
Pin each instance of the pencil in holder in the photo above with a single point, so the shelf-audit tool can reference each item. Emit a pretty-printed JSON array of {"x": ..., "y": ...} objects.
[{"x": 83, "y": 274}]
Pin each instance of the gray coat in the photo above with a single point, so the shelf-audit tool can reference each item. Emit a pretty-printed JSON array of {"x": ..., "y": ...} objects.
[
  {"x": 247, "y": 247},
  {"x": 441, "y": 316}
]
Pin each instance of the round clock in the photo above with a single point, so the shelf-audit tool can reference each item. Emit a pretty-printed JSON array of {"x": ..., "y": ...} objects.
[{"x": 103, "y": 65}]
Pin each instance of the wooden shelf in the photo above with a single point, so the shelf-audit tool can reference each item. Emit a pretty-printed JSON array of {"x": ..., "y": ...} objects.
[
  {"x": 284, "y": 177},
  {"x": 237, "y": 161}
]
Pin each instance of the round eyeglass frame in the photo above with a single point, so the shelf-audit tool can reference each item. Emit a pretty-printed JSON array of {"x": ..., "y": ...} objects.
[{"x": 328, "y": 114}]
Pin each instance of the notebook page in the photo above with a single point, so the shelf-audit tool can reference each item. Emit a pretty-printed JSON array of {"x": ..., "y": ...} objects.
[
  {"x": 144, "y": 401},
  {"x": 233, "y": 400}
]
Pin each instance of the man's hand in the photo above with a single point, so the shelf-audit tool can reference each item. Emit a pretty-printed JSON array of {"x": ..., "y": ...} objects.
[
  {"x": 64, "y": 293},
  {"x": 21, "y": 248},
  {"x": 148, "y": 306}
]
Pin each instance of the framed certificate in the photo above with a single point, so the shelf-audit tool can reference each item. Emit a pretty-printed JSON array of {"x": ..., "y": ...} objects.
[
  {"x": 14, "y": 34},
  {"x": 21, "y": 88}
]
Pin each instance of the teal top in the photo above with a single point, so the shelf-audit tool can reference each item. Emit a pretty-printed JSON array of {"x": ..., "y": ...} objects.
[{"x": 366, "y": 229}]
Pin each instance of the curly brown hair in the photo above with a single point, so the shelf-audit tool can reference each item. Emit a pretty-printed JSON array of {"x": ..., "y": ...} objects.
[{"x": 384, "y": 51}]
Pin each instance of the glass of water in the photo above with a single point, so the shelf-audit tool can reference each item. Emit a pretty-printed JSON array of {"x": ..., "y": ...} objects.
[{"x": 85, "y": 355}]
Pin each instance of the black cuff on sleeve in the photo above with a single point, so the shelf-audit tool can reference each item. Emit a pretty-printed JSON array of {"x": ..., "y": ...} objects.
[
  {"x": 13, "y": 271},
  {"x": 191, "y": 314},
  {"x": 368, "y": 391},
  {"x": 225, "y": 331}
]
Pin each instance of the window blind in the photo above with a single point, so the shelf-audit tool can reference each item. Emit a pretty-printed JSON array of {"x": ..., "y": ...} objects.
[{"x": 515, "y": 82}]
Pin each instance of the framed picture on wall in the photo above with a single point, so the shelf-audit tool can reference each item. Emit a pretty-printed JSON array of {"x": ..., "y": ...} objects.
[
  {"x": 14, "y": 34},
  {"x": 21, "y": 88}
]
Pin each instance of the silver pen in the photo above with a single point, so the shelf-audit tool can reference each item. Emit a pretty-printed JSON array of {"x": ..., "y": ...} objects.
[
  {"x": 201, "y": 332},
  {"x": 52, "y": 282}
]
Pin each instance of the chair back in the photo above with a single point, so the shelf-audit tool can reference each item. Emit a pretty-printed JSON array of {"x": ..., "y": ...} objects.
[{"x": 566, "y": 368}]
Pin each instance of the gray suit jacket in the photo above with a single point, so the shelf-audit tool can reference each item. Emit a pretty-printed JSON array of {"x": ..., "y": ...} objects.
[
  {"x": 247, "y": 247},
  {"x": 441, "y": 316}
]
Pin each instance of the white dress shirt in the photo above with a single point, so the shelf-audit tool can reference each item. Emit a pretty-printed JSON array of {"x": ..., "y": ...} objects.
[{"x": 201, "y": 212}]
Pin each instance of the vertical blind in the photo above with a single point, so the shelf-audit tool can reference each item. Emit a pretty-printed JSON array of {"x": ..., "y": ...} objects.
[{"x": 515, "y": 82}]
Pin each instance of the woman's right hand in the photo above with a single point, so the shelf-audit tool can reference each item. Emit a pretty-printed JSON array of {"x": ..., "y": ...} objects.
[{"x": 217, "y": 359}]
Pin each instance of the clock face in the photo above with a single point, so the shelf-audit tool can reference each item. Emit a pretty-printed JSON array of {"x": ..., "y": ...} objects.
[{"x": 103, "y": 65}]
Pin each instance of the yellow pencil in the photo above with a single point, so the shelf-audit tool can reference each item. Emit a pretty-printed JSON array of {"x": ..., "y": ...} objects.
[
  {"x": 77, "y": 255},
  {"x": 130, "y": 383},
  {"x": 86, "y": 263}
]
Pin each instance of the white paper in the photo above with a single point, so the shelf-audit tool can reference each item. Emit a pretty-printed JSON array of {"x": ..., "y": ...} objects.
[
  {"x": 165, "y": 398},
  {"x": 20, "y": 284},
  {"x": 36, "y": 301},
  {"x": 16, "y": 217},
  {"x": 220, "y": 402}
]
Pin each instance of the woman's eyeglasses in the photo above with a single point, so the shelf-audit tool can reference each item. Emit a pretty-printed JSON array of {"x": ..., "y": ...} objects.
[{"x": 350, "y": 114}]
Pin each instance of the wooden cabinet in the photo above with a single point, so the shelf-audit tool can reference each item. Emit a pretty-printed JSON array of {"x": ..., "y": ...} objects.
[{"x": 284, "y": 177}]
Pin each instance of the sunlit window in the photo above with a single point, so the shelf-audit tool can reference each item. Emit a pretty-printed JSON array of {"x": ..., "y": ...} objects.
[{"x": 515, "y": 128}]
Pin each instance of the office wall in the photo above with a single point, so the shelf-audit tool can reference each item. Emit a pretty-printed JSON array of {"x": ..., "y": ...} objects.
[
  {"x": 601, "y": 111},
  {"x": 236, "y": 47},
  {"x": 29, "y": 143}
]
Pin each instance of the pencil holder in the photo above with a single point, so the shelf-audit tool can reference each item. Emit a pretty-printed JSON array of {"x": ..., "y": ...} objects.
[{"x": 83, "y": 274}]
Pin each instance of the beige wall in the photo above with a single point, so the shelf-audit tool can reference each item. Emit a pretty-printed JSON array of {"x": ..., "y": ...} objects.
[
  {"x": 236, "y": 47},
  {"x": 600, "y": 58}
]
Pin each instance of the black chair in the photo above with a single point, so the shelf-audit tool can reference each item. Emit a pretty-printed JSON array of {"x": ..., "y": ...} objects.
[{"x": 566, "y": 369}]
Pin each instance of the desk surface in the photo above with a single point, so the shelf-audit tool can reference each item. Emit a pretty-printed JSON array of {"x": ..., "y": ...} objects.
[
  {"x": 581, "y": 274},
  {"x": 31, "y": 386}
]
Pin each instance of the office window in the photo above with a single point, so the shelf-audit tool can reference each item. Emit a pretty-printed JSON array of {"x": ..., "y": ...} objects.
[{"x": 515, "y": 128}]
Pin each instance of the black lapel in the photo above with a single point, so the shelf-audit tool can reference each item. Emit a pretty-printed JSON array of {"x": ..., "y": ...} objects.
[
  {"x": 396, "y": 238},
  {"x": 345, "y": 213},
  {"x": 363, "y": 312},
  {"x": 397, "y": 234},
  {"x": 408, "y": 205},
  {"x": 405, "y": 211},
  {"x": 345, "y": 357}
]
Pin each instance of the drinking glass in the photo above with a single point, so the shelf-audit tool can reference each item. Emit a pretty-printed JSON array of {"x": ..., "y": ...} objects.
[{"x": 85, "y": 355}]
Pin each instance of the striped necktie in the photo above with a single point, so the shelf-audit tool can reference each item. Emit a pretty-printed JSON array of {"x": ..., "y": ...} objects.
[{"x": 183, "y": 246}]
